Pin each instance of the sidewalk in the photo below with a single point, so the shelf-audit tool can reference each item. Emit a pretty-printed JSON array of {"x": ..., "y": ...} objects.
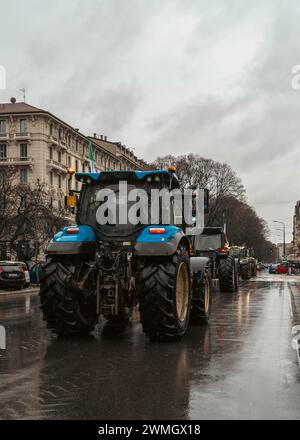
[{"x": 295, "y": 312}]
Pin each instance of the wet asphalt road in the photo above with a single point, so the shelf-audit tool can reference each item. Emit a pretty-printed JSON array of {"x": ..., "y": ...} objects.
[{"x": 241, "y": 366}]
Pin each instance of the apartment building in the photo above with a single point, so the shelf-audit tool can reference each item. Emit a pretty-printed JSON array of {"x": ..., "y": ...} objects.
[
  {"x": 39, "y": 145},
  {"x": 296, "y": 229}
]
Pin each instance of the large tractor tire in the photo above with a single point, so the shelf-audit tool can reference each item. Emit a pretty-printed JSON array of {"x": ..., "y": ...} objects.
[
  {"x": 246, "y": 271},
  {"x": 253, "y": 269},
  {"x": 67, "y": 310},
  {"x": 201, "y": 298},
  {"x": 165, "y": 299},
  {"x": 227, "y": 274}
]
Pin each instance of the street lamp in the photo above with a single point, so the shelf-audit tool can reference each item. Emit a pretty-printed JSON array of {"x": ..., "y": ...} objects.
[{"x": 283, "y": 230}]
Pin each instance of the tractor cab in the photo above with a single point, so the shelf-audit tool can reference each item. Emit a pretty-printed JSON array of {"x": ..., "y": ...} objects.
[{"x": 119, "y": 204}]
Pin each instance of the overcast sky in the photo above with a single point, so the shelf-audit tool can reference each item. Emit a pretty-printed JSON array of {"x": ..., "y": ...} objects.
[{"x": 170, "y": 76}]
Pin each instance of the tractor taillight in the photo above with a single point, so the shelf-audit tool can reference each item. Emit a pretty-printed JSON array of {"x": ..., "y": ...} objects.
[
  {"x": 223, "y": 250},
  {"x": 72, "y": 231},
  {"x": 157, "y": 231}
]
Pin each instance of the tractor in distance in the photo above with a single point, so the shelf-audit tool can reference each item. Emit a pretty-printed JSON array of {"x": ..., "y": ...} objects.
[
  {"x": 245, "y": 261},
  {"x": 213, "y": 244},
  {"x": 98, "y": 269}
]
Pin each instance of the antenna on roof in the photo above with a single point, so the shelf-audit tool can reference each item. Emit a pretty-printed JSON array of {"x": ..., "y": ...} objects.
[{"x": 24, "y": 94}]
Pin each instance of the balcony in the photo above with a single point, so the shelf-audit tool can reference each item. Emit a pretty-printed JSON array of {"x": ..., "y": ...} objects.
[
  {"x": 57, "y": 166},
  {"x": 23, "y": 136},
  {"x": 3, "y": 137},
  {"x": 16, "y": 161},
  {"x": 62, "y": 144},
  {"x": 54, "y": 140}
]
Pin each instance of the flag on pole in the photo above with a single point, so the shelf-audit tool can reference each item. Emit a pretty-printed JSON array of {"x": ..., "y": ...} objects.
[{"x": 91, "y": 158}]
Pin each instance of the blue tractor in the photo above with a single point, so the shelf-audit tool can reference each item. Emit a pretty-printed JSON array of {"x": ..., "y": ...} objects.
[{"x": 95, "y": 269}]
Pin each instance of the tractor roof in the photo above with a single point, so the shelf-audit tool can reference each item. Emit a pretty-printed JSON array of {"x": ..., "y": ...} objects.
[{"x": 166, "y": 176}]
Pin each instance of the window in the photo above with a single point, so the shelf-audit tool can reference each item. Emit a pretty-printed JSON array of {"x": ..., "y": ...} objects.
[
  {"x": 2, "y": 151},
  {"x": 23, "y": 151},
  {"x": 50, "y": 153},
  {"x": 23, "y": 175},
  {"x": 76, "y": 144},
  {"x": 60, "y": 133},
  {"x": 3, "y": 127},
  {"x": 69, "y": 162},
  {"x": 59, "y": 181},
  {"x": 59, "y": 156},
  {"x": 76, "y": 166},
  {"x": 23, "y": 126},
  {"x": 83, "y": 167},
  {"x": 51, "y": 178},
  {"x": 51, "y": 129},
  {"x": 69, "y": 140}
]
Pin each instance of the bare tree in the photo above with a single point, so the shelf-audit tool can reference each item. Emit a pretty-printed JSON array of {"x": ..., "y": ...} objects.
[
  {"x": 219, "y": 178},
  {"x": 28, "y": 214},
  {"x": 227, "y": 198}
]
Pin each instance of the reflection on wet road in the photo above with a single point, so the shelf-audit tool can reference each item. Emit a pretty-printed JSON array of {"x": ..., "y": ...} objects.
[{"x": 240, "y": 366}]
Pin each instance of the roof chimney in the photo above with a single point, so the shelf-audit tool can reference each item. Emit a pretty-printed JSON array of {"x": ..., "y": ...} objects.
[
  {"x": 105, "y": 138},
  {"x": 13, "y": 100},
  {"x": 95, "y": 135}
]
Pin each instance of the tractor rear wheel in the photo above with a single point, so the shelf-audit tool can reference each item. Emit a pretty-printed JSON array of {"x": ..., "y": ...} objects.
[
  {"x": 227, "y": 274},
  {"x": 67, "y": 310},
  {"x": 246, "y": 271},
  {"x": 202, "y": 298},
  {"x": 253, "y": 269},
  {"x": 164, "y": 299}
]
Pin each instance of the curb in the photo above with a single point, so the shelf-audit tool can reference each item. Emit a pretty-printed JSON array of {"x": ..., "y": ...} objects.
[{"x": 20, "y": 292}]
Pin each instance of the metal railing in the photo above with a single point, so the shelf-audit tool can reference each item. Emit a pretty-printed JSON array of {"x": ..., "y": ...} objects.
[
  {"x": 23, "y": 134},
  {"x": 55, "y": 164}
]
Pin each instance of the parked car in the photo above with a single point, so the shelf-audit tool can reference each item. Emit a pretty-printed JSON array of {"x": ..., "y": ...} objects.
[
  {"x": 26, "y": 272},
  {"x": 281, "y": 269},
  {"x": 34, "y": 272},
  {"x": 273, "y": 268},
  {"x": 284, "y": 268},
  {"x": 12, "y": 275}
]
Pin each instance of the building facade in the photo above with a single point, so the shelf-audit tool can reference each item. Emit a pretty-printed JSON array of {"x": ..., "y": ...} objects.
[
  {"x": 39, "y": 145},
  {"x": 296, "y": 230}
]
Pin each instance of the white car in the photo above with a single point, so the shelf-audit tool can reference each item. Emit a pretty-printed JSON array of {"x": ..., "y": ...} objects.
[
  {"x": 24, "y": 267},
  {"x": 26, "y": 272}
]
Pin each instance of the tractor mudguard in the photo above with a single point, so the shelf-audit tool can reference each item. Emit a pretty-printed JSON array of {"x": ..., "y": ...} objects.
[
  {"x": 73, "y": 240},
  {"x": 160, "y": 244},
  {"x": 199, "y": 264}
]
